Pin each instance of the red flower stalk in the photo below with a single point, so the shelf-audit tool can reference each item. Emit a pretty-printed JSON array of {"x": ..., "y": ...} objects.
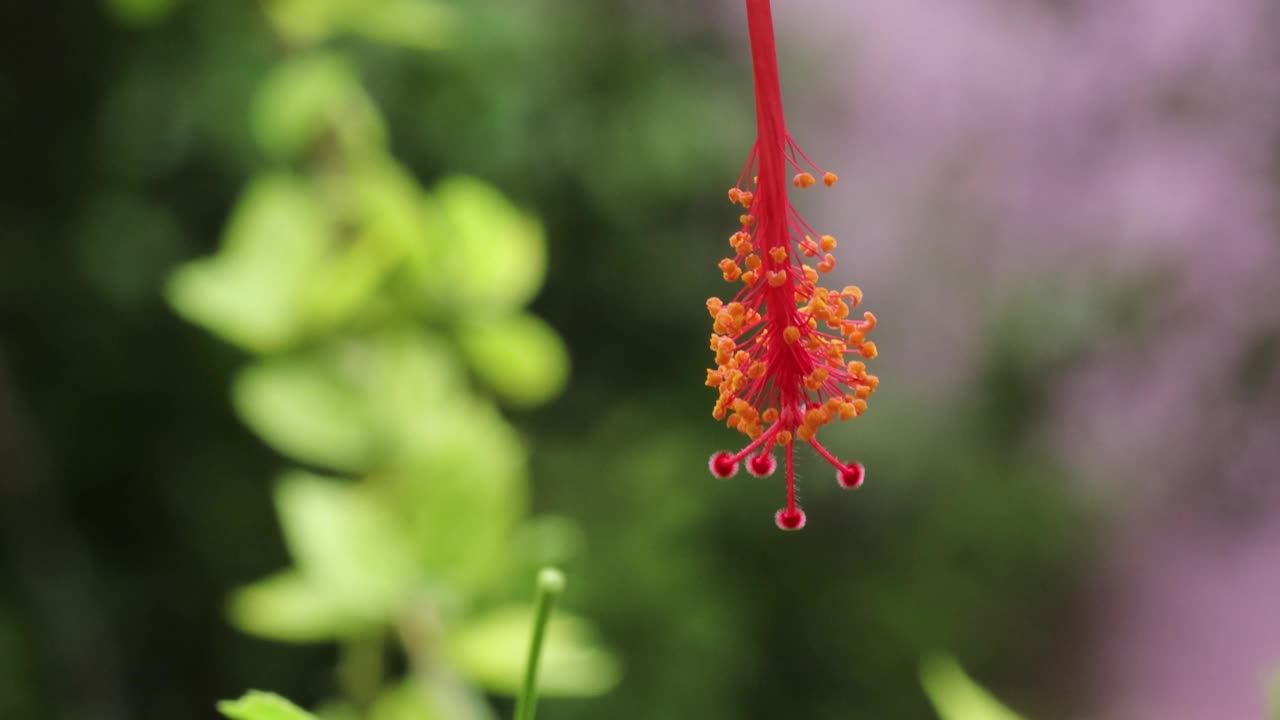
[{"x": 780, "y": 377}]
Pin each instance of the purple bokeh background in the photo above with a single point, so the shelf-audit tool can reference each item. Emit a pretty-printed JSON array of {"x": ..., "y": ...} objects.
[{"x": 992, "y": 147}]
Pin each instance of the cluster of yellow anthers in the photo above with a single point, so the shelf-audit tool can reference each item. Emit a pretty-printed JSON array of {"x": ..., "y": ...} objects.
[{"x": 753, "y": 375}]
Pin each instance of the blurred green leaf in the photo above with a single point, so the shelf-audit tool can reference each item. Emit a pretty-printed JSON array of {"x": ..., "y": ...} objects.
[
  {"x": 249, "y": 292},
  {"x": 354, "y": 405},
  {"x": 464, "y": 480},
  {"x": 141, "y": 12},
  {"x": 346, "y": 543},
  {"x": 418, "y": 24},
  {"x": 379, "y": 203},
  {"x": 520, "y": 356},
  {"x": 290, "y": 608},
  {"x": 307, "y": 407},
  {"x": 956, "y": 696},
  {"x": 338, "y": 710},
  {"x": 490, "y": 256},
  {"x": 491, "y": 650},
  {"x": 415, "y": 388},
  {"x": 258, "y": 705},
  {"x": 312, "y": 95},
  {"x": 390, "y": 206},
  {"x": 303, "y": 21},
  {"x": 407, "y": 701}
]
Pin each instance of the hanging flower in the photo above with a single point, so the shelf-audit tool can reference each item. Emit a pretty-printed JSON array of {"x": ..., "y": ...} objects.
[{"x": 789, "y": 359}]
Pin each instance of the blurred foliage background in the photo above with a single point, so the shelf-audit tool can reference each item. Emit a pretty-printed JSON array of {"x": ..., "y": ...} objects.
[{"x": 324, "y": 324}]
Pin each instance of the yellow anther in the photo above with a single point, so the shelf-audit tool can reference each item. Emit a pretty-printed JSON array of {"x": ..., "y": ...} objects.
[
  {"x": 810, "y": 274},
  {"x": 847, "y": 410},
  {"x": 757, "y": 370},
  {"x": 817, "y": 417},
  {"x": 725, "y": 345},
  {"x": 830, "y": 178},
  {"x": 860, "y": 405},
  {"x": 828, "y": 263},
  {"x": 872, "y": 381},
  {"x": 869, "y": 350},
  {"x": 776, "y": 277},
  {"x": 736, "y": 309},
  {"x": 736, "y": 380},
  {"x": 746, "y": 220},
  {"x": 815, "y": 379},
  {"x": 714, "y": 378},
  {"x": 749, "y": 277},
  {"x": 863, "y": 391},
  {"x": 858, "y": 369},
  {"x": 770, "y": 416},
  {"x": 740, "y": 405},
  {"x": 730, "y": 270},
  {"x": 719, "y": 411},
  {"x": 784, "y": 437},
  {"x": 828, "y": 243},
  {"x": 713, "y": 306},
  {"x": 791, "y": 334},
  {"x": 741, "y": 358},
  {"x": 854, "y": 293},
  {"x": 856, "y": 338},
  {"x": 734, "y": 421},
  {"x": 753, "y": 261},
  {"x": 746, "y": 198},
  {"x": 804, "y": 432},
  {"x": 754, "y": 431},
  {"x": 869, "y": 321},
  {"x": 723, "y": 323},
  {"x": 779, "y": 254},
  {"x": 808, "y": 247},
  {"x": 735, "y": 195},
  {"x": 804, "y": 180}
]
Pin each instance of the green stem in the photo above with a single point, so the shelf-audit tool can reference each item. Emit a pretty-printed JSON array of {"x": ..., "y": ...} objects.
[
  {"x": 550, "y": 585},
  {"x": 361, "y": 668}
]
